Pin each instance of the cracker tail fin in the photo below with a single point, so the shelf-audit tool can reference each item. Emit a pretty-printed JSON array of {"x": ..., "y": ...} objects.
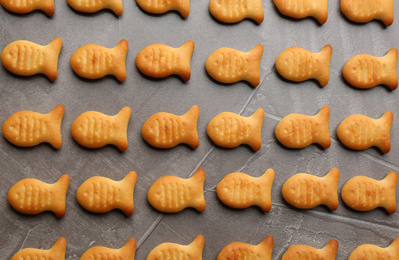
[
  {"x": 117, "y": 7},
  {"x": 48, "y": 7},
  {"x": 394, "y": 247},
  {"x": 128, "y": 184},
  {"x": 387, "y": 15},
  {"x": 324, "y": 74},
  {"x": 58, "y": 249},
  {"x": 391, "y": 78},
  {"x": 51, "y": 62},
  {"x": 321, "y": 14},
  {"x": 254, "y": 57},
  {"x": 267, "y": 179},
  {"x": 198, "y": 245},
  {"x": 183, "y": 7},
  {"x": 255, "y": 140},
  {"x": 56, "y": 115},
  {"x": 323, "y": 138},
  {"x": 384, "y": 142},
  {"x": 257, "y": 12},
  {"x": 192, "y": 116},
  {"x": 123, "y": 117},
  {"x": 60, "y": 188},
  {"x": 332, "y": 178},
  {"x": 120, "y": 51},
  {"x": 185, "y": 52},
  {"x": 129, "y": 249},
  {"x": 267, "y": 246},
  {"x": 331, "y": 248},
  {"x": 197, "y": 182},
  {"x": 391, "y": 180}
]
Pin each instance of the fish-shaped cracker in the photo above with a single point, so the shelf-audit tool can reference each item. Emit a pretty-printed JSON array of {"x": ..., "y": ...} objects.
[
  {"x": 304, "y": 8},
  {"x": 363, "y": 11},
  {"x": 172, "y": 194},
  {"x": 28, "y": 128},
  {"x": 360, "y": 132},
  {"x": 93, "y": 129},
  {"x": 298, "y": 64},
  {"x": 366, "y": 71},
  {"x": 364, "y": 194},
  {"x": 163, "y": 6},
  {"x": 88, "y": 6},
  {"x": 56, "y": 252},
  {"x": 304, "y": 252},
  {"x": 228, "y": 11},
  {"x": 26, "y": 58},
  {"x": 100, "y": 194},
  {"x": 299, "y": 131},
  {"x": 93, "y": 61},
  {"x": 229, "y": 65},
  {"x": 368, "y": 251},
  {"x": 239, "y": 190},
  {"x": 126, "y": 252},
  {"x": 23, "y": 7},
  {"x": 243, "y": 251},
  {"x": 161, "y": 61},
  {"x": 230, "y": 130},
  {"x": 306, "y": 191},
  {"x": 31, "y": 196},
  {"x": 165, "y": 130},
  {"x": 172, "y": 251}
]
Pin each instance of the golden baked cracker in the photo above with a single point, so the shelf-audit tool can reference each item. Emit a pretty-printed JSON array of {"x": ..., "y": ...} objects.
[
  {"x": 239, "y": 190},
  {"x": 126, "y": 252},
  {"x": 56, "y": 252},
  {"x": 375, "y": 252},
  {"x": 31, "y": 196},
  {"x": 304, "y": 8},
  {"x": 28, "y": 128},
  {"x": 364, "y": 194},
  {"x": 161, "y": 61},
  {"x": 173, "y": 251},
  {"x": 299, "y": 131},
  {"x": 163, "y": 6},
  {"x": 93, "y": 129},
  {"x": 363, "y": 11},
  {"x": 87, "y": 6},
  {"x": 298, "y": 64},
  {"x": 230, "y": 130},
  {"x": 306, "y": 191},
  {"x": 229, "y": 65},
  {"x": 164, "y": 130},
  {"x": 235, "y": 11},
  {"x": 100, "y": 194},
  {"x": 93, "y": 61},
  {"x": 172, "y": 194},
  {"x": 303, "y": 252},
  {"x": 243, "y": 251},
  {"x": 23, "y": 7},
  {"x": 26, "y": 58},
  {"x": 360, "y": 132},
  {"x": 366, "y": 71}
]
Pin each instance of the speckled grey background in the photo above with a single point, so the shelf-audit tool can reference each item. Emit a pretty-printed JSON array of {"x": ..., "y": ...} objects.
[{"x": 219, "y": 224}]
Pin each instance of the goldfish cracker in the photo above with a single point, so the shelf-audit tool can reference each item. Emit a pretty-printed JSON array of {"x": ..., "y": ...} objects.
[
  {"x": 56, "y": 252},
  {"x": 376, "y": 252},
  {"x": 303, "y": 8},
  {"x": 362, "y": 11},
  {"x": 229, "y": 65},
  {"x": 23, "y": 7},
  {"x": 230, "y": 130},
  {"x": 242, "y": 251},
  {"x": 164, "y": 130},
  {"x": 235, "y": 11},
  {"x": 154, "y": 7},
  {"x": 173, "y": 251},
  {"x": 127, "y": 252},
  {"x": 26, "y": 58},
  {"x": 87, "y": 6},
  {"x": 303, "y": 252}
]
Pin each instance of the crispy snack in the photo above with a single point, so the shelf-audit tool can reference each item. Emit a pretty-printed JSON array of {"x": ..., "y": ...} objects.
[
  {"x": 87, "y": 6},
  {"x": 299, "y": 131},
  {"x": 230, "y": 130},
  {"x": 304, "y": 8},
  {"x": 56, "y": 252},
  {"x": 94, "y": 130},
  {"x": 23, "y": 7},
  {"x": 239, "y": 190},
  {"x": 229, "y": 65},
  {"x": 303, "y": 252},
  {"x": 235, "y": 11},
  {"x": 360, "y": 132},
  {"x": 164, "y": 130},
  {"x": 100, "y": 194},
  {"x": 242, "y": 251},
  {"x": 172, "y": 194},
  {"x": 376, "y": 252},
  {"x": 306, "y": 191},
  {"x": 298, "y": 64},
  {"x": 173, "y": 251},
  {"x": 28, "y": 128},
  {"x": 363, "y": 11},
  {"x": 26, "y": 58},
  {"x": 163, "y": 6},
  {"x": 31, "y": 196},
  {"x": 93, "y": 61},
  {"x": 126, "y": 252},
  {"x": 364, "y": 194},
  {"x": 366, "y": 71},
  {"x": 161, "y": 61}
]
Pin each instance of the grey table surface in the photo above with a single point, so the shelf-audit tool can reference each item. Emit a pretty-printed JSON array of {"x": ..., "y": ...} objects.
[{"x": 219, "y": 224}]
